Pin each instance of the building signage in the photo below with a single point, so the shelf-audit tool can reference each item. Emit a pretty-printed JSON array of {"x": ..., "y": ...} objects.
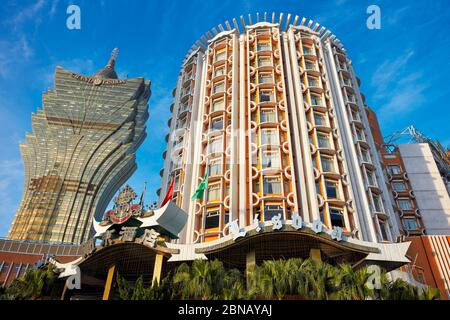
[
  {"x": 277, "y": 224},
  {"x": 97, "y": 80}
]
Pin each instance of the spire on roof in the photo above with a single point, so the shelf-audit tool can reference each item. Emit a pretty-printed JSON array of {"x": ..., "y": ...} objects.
[{"x": 108, "y": 71}]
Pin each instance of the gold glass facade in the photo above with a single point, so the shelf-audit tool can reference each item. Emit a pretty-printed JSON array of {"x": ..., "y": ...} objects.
[{"x": 81, "y": 150}]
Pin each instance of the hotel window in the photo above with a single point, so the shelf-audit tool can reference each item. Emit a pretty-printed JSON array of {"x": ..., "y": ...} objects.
[
  {"x": 319, "y": 119},
  {"x": 309, "y": 65},
  {"x": 365, "y": 155},
  {"x": 331, "y": 189},
  {"x": 355, "y": 115},
  {"x": 265, "y": 96},
  {"x": 226, "y": 218},
  {"x": 5, "y": 268},
  {"x": 336, "y": 217},
  {"x": 316, "y": 100},
  {"x": 359, "y": 134},
  {"x": 270, "y": 159},
  {"x": 370, "y": 178},
  {"x": 212, "y": 219},
  {"x": 383, "y": 229},
  {"x": 267, "y": 115},
  {"x": 398, "y": 186},
  {"x": 404, "y": 204},
  {"x": 410, "y": 224},
  {"x": 219, "y": 71},
  {"x": 327, "y": 164},
  {"x": 215, "y": 167},
  {"x": 313, "y": 82},
  {"x": 217, "y": 124},
  {"x": 323, "y": 141},
  {"x": 219, "y": 87},
  {"x": 214, "y": 192},
  {"x": 221, "y": 55},
  {"x": 218, "y": 104},
  {"x": 263, "y": 46},
  {"x": 215, "y": 145},
  {"x": 377, "y": 203},
  {"x": 265, "y": 78},
  {"x": 394, "y": 169},
  {"x": 271, "y": 185},
  {"x": 269, "y": 136},
  {"x": 176, "y": 184},
  {"x": 264, "y": 62},
  {"x": 272, "y": 210},
  {"x": 351, "y": 98},
  {"x": 307, "y": 50}
]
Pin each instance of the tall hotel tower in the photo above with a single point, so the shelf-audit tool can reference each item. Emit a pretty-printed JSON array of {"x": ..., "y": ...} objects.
[
  {"x": 270, "y": 108},
  {"x": 81, "y": 150}
]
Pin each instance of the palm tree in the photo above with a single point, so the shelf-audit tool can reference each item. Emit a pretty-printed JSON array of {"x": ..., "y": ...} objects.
[
  {"x": 350, "y": 284},
  {"x": 429, "y": 293},
  {"x": 35, "y": 284}
]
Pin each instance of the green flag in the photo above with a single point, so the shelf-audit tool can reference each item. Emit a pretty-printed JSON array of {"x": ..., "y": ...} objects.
[{"x": 201, "y": 188}]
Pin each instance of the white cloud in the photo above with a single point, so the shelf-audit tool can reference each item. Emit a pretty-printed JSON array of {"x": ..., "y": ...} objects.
[{"x": 27, "y": 13}]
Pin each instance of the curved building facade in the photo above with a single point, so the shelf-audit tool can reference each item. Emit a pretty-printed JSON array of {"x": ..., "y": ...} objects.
[
  {"x": 81, "y": 150},
  {"x": 270, "y": 108}
]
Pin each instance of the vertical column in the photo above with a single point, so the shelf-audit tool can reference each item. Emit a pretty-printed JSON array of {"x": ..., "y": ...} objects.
[
  {"x": 363, "y": 207},
  {"x": 243, "y": 194},
  {"x": 235, "y": 133},
  {"x": 157, "y": 268},
  {"x": 109, "y": 282},
  {"x": 249, "y": 263},
  {"x": 291, "y": 107},
  {"x": 307, "y": 166}
]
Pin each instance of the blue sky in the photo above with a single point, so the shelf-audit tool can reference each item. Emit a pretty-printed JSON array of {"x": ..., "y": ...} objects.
[{"x": 403, "y": 67}]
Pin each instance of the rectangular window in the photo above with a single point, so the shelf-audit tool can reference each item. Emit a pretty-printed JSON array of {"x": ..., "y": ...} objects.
[
  {"x": 331, "y": 189},
  {"x": 370, "y": 178},
  {"x": 316, "y": 100},
  {"x": 265, "y": 96},
  {"x": 214, "y": 192},
  {"x": 327, "y": 164},
  {"x": 398, "y": 186},
  {"x": 215, "y": 145},
  {"x": 217, "y": 124},
  {"x": 410, "y": 224},
  {"x": 313, "y": 82},
  {"x": 271, "y": 185},
  {"x": 309, "y": 65},
  {"x": 308, "y": 50},
  {"x": 267, "y": 115},
  {"x": 271, "y": 211},
  {"x": 219, "y": 71},
  {"x": 215, "y": 167},
  {"x": 265, "y": 78},
  {"x": 365, "y": 155},
  {"x": 319, "y": 119},
  {"x": 221, "y": 55},
  {"x": 383, "y": 229},
  {"x": 269, "y": 137},
  {"x": 377, "y": 203},
  {"x": 218, "y": 104},
  {"x": 264, "y": 62},
  {"x": 336, "y": 217},
  {"x": 394, "y": 169},
  {"x": 404, "y": 204},
  {"x": 270, "y": 159},
  {"x": 323, "y": 141},
  {"x": 263, "y": 46},
  {"x": 219, "y": 87},
  {"x": 212, "y": 219},
  {"x": 359, "y": 135}
]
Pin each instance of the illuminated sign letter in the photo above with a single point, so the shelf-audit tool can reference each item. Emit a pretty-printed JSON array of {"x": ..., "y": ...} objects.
[{"x": 297, "y": 221}]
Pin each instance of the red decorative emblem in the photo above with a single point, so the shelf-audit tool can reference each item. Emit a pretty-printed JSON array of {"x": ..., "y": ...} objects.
[{"x": 124, "y": 209}]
